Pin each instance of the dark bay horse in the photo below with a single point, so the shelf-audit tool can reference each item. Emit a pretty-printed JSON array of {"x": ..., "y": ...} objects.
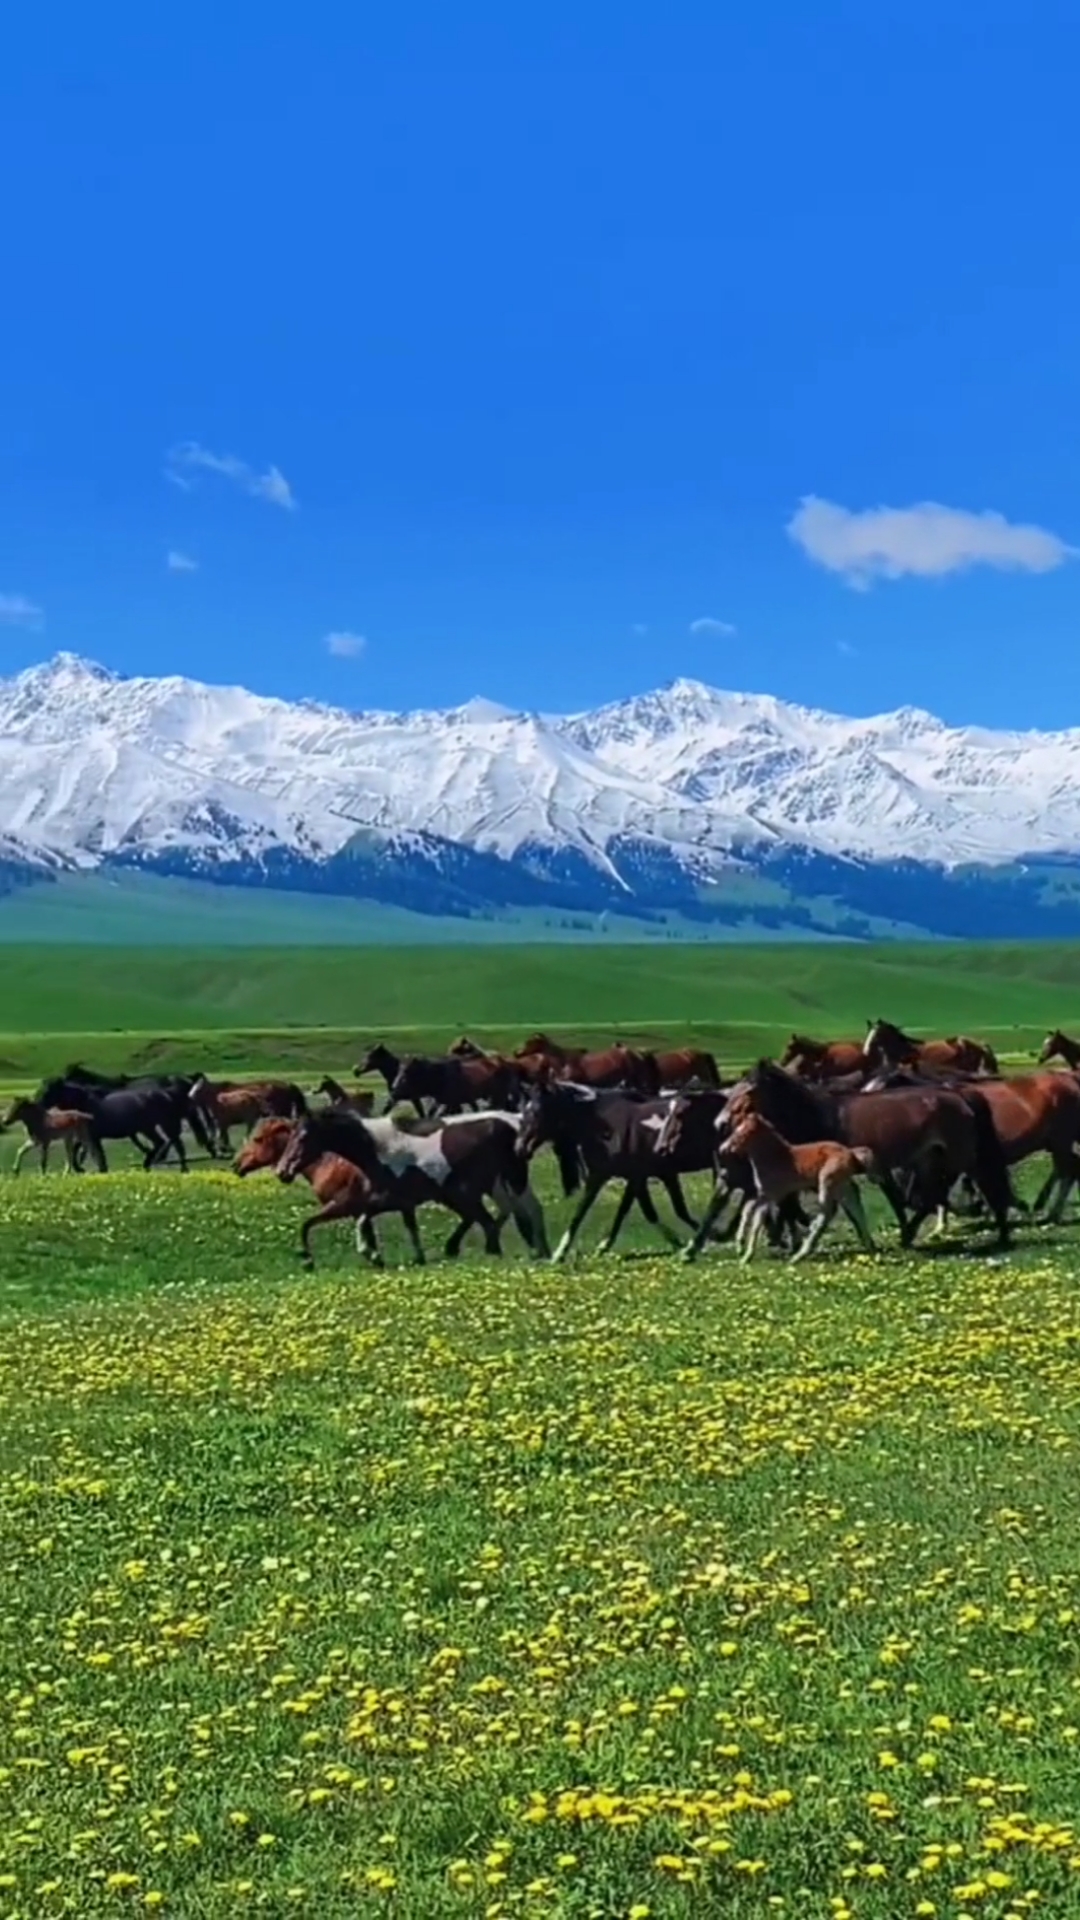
[
  {"x": 936, "y": 1132},
  {"x": 150, "y": 1114},
  {"x": 456, "y": 1083}
]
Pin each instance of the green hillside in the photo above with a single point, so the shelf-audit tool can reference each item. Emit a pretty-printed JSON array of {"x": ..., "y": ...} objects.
[{"x": 311, "y": 1005}]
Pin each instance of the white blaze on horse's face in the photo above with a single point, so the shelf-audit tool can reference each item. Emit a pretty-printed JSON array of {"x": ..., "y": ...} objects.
[{"x": 870, "y": 1042}]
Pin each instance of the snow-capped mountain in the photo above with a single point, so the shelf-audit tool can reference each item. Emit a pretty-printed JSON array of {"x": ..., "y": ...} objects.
[{"x": 688, "y": 780}]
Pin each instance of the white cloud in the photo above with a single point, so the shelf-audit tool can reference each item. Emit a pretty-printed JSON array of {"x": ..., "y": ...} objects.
[
  {"x": 180, "y": 562},
  {"x": 17, "y": 611},
  {"x": 345, "y": 645},
  {"x": 190, "y": 459},
  {"x": 927, "y": 539},
  {"x": 709, "y": 625}
]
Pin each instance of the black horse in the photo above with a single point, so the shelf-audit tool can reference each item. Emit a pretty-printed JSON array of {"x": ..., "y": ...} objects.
[{"x": 149, "y": 1113}]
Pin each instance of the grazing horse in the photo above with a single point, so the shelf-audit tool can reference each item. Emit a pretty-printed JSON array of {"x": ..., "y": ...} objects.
[
  {"x": 1058, "y": 1046},
  {"x": 44, "y": 1125},
  {"x": 822, "y": 1059},
  {"x": 149, "y": 1113},
  {"x": 887, "y": 1045},
  {"x": 342, "y": 1190},
  {"x": 460, "y": 1164},
  {"x": 453, "y": 1084},
  {"x": 615, "y": 1066},
  {"x": 599, "y": 1136},
  {"x": 330, "y": 1089},
  {"x": 684, "y": 1067},
  {"x": 936, "y": 1131},
  {"x": 781, "y": 1171}
]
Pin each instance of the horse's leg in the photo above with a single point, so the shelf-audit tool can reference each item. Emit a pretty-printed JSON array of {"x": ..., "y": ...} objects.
[
  {"x": 22, "y": 1153},
  {"x": 678, "y": 1201},
  {"x": 528, "y": 1217},
  {"x": 895, "y": 1200},
  {"x": 367, "y": 1245},
  {"x": 584, "y": 1206},
  {"x": 339, "y": 1209},
  {"x": 408, "y": 1216},
  {"x": 1044, "y": 1193},
  {"x": 718, "y": 1200},
  {"x": 629, "y": 1194},
  {"x": 45, "y": 1154},
  {"x": 851, "y": 1202},
  {"x": 757, "y": 1210},
  {"x": 829, "y": 1204},
  {"x": 1065, "y": 1172}
]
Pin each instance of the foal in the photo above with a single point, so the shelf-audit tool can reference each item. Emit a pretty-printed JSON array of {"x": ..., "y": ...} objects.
[
  {"x": 44, "y": 1125},
  {"x": 779, "y": 1170}
]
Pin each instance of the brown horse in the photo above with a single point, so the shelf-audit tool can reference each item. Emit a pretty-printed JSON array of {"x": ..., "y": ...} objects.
[
  {"x": 1058, "y": 1046},
  {"x": 342, "y": 1190},
  {"x": 615, "y": 1066},
  {"x": 781, "y": 1172},
  {"x": 887, "y": 1045},
  {"x": 822, "y": 1059},
  {"x": 222, "y": 1106},
  {"x": 935, "y": 1133},
  {"x": 686, "y": 1066},
  {"x": 1039, "y": 1113}
]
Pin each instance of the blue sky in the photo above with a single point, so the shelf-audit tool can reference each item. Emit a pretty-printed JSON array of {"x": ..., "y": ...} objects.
[{"x": 511, "y": 340}]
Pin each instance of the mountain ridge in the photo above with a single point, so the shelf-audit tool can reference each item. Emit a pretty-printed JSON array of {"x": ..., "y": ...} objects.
[{"x": 659, "y": 803}]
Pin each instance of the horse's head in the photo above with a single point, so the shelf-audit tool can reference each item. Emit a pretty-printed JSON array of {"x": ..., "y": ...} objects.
[
  {"x": 264, "y": 1148},
  {"x": 1051, "y": 1046},
  {"x": 798, "y": 1048},
  {"x": 409, "y": 1082},
  {"x": 536, "y": 1043},
  {"x": 17, "y": 1111},
  {"x": 301, "y": 1150},
  {"x": 466, "y": 1049},
  {"x": 374, "y": 1061}
]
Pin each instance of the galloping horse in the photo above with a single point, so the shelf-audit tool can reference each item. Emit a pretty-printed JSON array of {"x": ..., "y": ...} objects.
[
  {"x": 937, "y": 1132},
  {"x": 615, "y": 1066},
  {"x": 342, "y": 1190},
  {"x": 887, "y": 1045}
]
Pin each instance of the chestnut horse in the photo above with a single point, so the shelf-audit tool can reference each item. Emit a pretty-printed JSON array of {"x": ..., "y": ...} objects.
[
  {"x": 887, "y": 1045},
  {"x": 822, "y": 1059},
  {"x": 615, "y": 1066},
  {"x": 342, "y": 1190},
  {"x": 686, "y": 1066}
]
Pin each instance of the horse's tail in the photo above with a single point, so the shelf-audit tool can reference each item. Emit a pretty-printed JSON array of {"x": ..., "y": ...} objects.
[
  {"x": 196, "y": 1120},
  {"x": 991, "y": 1168}
]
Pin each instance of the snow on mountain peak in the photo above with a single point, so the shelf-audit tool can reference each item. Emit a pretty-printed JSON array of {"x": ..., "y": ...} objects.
[{"x": 92, "y": 763}]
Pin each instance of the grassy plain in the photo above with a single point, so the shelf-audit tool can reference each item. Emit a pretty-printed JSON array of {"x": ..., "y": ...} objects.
[
  {"x": 619, "y": 1590},
  {"x": 310, "y": 1007}
]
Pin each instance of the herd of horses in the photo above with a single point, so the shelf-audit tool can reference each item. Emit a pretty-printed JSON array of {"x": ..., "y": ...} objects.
[{"x": 934, "y": 1124}]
